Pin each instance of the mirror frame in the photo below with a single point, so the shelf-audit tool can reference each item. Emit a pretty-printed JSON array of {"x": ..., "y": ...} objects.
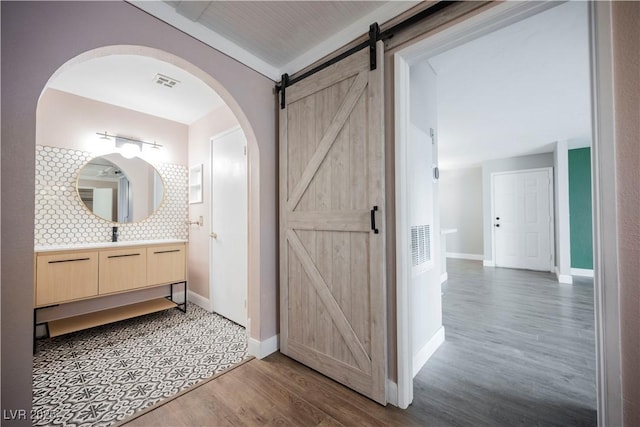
[{"x": 90, "y": 212}]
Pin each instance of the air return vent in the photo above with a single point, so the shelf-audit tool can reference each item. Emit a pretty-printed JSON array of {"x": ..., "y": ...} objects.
[
  {"x": 420, "y": 244},
  {"x": 163, "y": 80}
]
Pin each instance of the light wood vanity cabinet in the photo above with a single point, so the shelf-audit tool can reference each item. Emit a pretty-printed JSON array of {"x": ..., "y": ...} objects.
[
  {"x": 166, "y": 264},
  {"x": 66, "y": 276},
  {"x": 122, "y": 270}
]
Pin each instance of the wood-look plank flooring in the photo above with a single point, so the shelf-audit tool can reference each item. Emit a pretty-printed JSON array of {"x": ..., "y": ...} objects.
[{"x": 519, "y": 350}]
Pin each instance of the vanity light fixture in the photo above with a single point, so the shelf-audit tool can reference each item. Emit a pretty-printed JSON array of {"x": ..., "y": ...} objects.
[
  {"x": 128, "y": 149},
  {"x": 131, "y": 147}
]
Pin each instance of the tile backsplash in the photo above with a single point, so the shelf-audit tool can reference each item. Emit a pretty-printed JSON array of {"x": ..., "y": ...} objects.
[{"x": 61, "y": 217}]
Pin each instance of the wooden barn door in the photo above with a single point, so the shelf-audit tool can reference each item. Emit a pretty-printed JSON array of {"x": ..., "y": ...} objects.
[{"x": 332, "y": 263}]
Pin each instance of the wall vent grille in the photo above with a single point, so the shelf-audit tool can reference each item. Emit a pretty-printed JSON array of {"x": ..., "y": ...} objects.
[{"x": 420, "y": 244}]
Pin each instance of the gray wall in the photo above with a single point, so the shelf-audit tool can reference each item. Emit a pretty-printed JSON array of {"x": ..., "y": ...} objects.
[
  {"x": 461, "y": 208},
  {"x": 533, "y": 161}
]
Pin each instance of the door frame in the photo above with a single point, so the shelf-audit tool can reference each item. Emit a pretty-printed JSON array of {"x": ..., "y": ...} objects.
[
  {"x": 551, "y": 230},
  {"x": 211, "y": 242},
  {"x": 607, "y": 313}
]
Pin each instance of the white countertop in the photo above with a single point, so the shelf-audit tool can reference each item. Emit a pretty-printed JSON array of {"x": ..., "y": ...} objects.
[{"x": 100, "y": 245}]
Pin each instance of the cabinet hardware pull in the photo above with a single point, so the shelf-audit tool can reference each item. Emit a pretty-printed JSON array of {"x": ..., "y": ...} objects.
[
  {"x": 120, "y": 256},
  {"x": 166, "y": 252},
  {"x": 373, "y": 220},
  {"x": 69, "y": 260}
]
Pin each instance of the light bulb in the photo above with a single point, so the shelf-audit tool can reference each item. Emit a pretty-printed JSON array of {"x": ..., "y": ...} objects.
[{"x": 130, "y": 150}]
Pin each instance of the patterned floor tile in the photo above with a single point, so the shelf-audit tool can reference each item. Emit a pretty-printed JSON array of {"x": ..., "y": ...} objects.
[{"x": 100, "y": 376}]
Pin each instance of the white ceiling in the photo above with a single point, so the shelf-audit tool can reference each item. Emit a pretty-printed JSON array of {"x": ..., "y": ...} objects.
[
  {"x": 127, "y": 81},
  {"x": 274, "y": 37},
  {"x": 512, "y": 92},
  {"x": 517, "y": 90}
]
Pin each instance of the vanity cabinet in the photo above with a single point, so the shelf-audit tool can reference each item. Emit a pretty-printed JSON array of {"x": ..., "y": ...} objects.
[
  {"x": 122, "y": 270},
  {"x": 66, "y": 276},
  {"x": 166, "y": 264}
]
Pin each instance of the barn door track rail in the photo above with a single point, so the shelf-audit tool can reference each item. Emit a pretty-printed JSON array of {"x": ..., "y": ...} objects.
[{"x": 374, "y": 36}]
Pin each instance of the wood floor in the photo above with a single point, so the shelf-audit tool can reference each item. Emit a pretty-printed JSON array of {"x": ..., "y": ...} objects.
[{"x": 519, "y": 350}]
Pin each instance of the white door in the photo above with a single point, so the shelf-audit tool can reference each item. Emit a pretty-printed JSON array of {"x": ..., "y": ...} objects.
[
  {"x": 229, "y": 226},
  {"x": 522, "y": 219},
  {"x": 103, "y": 203}
]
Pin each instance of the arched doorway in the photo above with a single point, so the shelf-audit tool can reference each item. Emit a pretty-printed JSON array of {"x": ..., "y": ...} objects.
[
  {"x": 68, "y": 31},
  {"x": 78, "y": 114}
]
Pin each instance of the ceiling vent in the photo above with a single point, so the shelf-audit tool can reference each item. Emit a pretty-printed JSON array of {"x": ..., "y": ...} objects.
[{"x": 163, "y": 80}]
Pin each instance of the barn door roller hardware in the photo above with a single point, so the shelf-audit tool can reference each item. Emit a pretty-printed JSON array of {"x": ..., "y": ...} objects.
[{"x": 374, "y": 36}]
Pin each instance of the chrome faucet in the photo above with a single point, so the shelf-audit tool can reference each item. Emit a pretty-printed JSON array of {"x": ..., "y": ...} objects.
[{"x": 114, "y": 234}]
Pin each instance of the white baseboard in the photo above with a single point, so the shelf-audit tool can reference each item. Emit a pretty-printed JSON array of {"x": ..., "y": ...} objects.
[
  {"x": 564, "y": 278},
  {"x": 458, "y": 255},
  {"x": 488, "y": 263},
  {"x": 392, "y": 392},
  {"x": 261, "y": 349},
  {"x": 444, "y": 277},
  {"x": 198, "y": 300},
  {"x": 427, "y": 351},
  {"x": 584, "y": 272}
]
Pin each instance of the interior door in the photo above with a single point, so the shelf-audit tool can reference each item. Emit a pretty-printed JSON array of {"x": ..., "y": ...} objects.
[
  {"x": 332, "y": 263},
  {"x": 522, "y": 219},
  {"x": 103, "y": 202},
  {"x": 229, "y": 226}
]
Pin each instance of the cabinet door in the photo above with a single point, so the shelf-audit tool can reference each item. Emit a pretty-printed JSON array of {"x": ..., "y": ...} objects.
[
  {"x": 166, "y": 264},
  {"x": 122, "y": 269},
  {"x": 65, "y": 277}
]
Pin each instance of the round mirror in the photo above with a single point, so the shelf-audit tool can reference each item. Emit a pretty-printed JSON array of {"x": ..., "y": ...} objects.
[{"x": 119, "y": 189}]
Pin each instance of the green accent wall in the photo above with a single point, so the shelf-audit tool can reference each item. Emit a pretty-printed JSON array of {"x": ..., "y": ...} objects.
[{"x": 580, "y": 208}]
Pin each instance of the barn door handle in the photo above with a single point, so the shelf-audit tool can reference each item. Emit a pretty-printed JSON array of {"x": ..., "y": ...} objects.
[{"x": 373, "y": 220}]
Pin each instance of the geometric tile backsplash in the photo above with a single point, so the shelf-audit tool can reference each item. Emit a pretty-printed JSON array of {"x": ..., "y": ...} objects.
[{"x": 61, "y": 217}]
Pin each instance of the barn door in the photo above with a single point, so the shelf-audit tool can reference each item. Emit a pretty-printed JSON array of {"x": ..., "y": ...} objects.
[{"x": 332, "y": 261}]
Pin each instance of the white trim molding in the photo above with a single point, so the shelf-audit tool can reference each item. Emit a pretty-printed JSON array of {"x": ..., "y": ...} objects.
[
  {"x": 444, "y": 277},
  {"x": 403, "y": 262},
  {"x": 261, "y": 349},
  {"x": 199, "y": 300},
  {"x": 488, "y": 263},
  {"x": 460, "y": 255},
  {"x": 427, "y": 350},
  {"x": 605, "y": 247},
  {"x": 582, "y": 272}
]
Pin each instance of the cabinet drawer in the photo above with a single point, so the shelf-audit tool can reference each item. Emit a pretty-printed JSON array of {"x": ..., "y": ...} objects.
[
  {"x": 122, "y": 270},
  {"x": 166, "y": 264},
  {"x": 67, "y": 276}
]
